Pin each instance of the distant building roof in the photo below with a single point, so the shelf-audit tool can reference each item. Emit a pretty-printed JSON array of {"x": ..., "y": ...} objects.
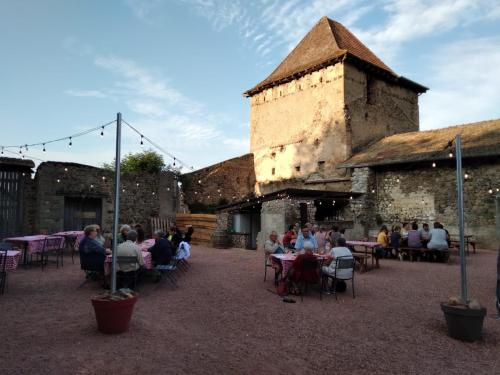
[
  {"x": 478, "y": 140},
  {"x": 325, "y": 44},
  {"x": 16, "y": 163}
]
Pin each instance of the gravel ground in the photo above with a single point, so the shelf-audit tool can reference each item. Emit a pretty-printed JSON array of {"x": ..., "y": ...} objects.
[{"x": 223, "y": 319}]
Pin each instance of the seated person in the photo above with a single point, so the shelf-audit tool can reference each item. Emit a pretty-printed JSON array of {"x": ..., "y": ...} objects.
[
  {"x": 334, "y": 235},
  {"x": 339, "y": 251},
  {"x": 273, "y": 246},
  {"x": 383, "y": 243},
  {"x": 298, "y": 272},
  {"x": 438, "y": 241},
  {"x": 122, "y": 236},
  {"x": 304, "y": 237},
  {"x": 288, "y": 237},
  {"x": 175, "y": 237},
  {"x": 161, "y": 251},
  {"x": 92, "y": 253},
  {"x": 141, "y": 234},
  {"x": 404, "y": 234},
  {"x": 189, "y": 234},
  {"x": 395, "y": 240},
  {"x": 414, "y": 237},
  {"x": 99, "y": 238},
  {"x": 320, "y": 235},
  {"x": 130, "y": 249},
  {"x": 184, "y": 250},
  {"x": 425, "y": 233}
]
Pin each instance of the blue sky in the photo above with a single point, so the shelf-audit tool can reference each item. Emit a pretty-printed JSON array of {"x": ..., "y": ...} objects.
[{"x": 177, "y": 69}]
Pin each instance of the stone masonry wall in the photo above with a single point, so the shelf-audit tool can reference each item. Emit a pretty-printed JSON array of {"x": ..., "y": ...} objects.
[
  {"x": 228, "y": 181},
  {"x": 142, "y": 195},
  {"x": 427, "y": 194}
]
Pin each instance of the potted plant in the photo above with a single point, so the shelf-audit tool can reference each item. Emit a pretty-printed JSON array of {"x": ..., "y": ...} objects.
[
  {"x": 464, "y": 320},
  {"x": 113, "y": 310}
]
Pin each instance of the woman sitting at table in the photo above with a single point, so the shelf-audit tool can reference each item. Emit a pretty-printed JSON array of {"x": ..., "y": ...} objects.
[
  {"x": 122, "y": 236},
  {"x": 383, "y": 242},
  {"x": 141, "y": 235},
  {"x": 92, "y": 253},
  {"x": 298, "y": 273},
  {"x": 161, "y": 251},
  {"x": 341, "y": 250},
  {"x": 288, "y": 237}
]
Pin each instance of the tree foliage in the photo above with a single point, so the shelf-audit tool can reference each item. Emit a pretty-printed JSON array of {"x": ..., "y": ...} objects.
[{"x": 148, "y": 161}]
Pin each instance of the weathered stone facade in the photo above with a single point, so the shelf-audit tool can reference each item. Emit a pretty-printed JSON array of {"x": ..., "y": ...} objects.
[
  {"x": 421, "y": 193},
  {"x": 229, "y": 181},
  {"x": 142, "y": 195},
  {"x": 300, "y": 130}
]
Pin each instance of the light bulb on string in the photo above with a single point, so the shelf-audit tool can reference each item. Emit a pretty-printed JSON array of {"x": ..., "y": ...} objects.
[
  {"x": 466, "y": 176},
  {"x": 44, "y": 148},
  {"x": 2, "y": 150},
  {"x": 142, "y": 141},
  {"x": 65, "y": 169},
  {"x": 26, "y": 147},
  {"x": 490, "y": 191},
  {"x": 102, "y": 131},
  {"x": 433, "y": 165},
  {"x": 20, "y": 150},
  {"x": 70, "y": 142},
  {"x": 174, "y": 162},
  {"x": 450, "y": 155}
]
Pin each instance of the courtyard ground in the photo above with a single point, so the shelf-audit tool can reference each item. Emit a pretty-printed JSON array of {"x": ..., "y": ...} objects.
[{"x": 223, "y": 319}]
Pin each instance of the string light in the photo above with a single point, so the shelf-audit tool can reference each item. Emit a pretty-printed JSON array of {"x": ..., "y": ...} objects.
[
  {"x": 123, "y": 190},
  {"x": 174, "y": 162},
  {"x": 466, "y": 176},
  {"x": 373, "y": 191},
  {"x": 137, "y": 184},
  {"x": 26, "y": 147},
  {"x": 142, "y": 141},
  {"x": 350, "y": 197},
  {"x": 58, "y": 180},
  {"x": 65, "y": 169},
  {"x": 397, "y": 179},
  {"x": 104, "y": 178},
  {"x": 2, "y": 150},
  {"x": 91, "y": 186},
  {"x": 20, "y": 150},
  {"x": 199, "y": 181},
  {"x": 490, "y": 191},
  {"x": 450, "y": 155},
  {"x": 102, "y": 131},
  {"x": 433, "y": 165},
  {"x": 44, "y": 148},
  {"x": 70, "y": 142},
  {"x": 153, "y": 193}
]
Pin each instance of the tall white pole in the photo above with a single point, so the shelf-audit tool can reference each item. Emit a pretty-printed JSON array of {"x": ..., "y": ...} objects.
[
  {"x": 116, "y": 206},
  {"x": 460, "y": 207}
]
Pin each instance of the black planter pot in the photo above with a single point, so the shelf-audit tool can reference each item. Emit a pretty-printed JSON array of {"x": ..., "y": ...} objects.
[{"x": 464, "y": 323}]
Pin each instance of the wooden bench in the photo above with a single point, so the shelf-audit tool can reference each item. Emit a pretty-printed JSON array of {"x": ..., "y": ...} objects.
[
  {"x": 414, "y": 252},
  {"x": 362, "y": 259}
]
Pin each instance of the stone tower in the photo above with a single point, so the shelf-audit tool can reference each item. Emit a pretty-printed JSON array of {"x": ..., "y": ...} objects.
[{"x": 330, "y": 97}]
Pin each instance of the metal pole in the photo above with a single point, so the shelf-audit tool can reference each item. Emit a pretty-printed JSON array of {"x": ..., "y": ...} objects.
[
  {"x": 116, "y": 206},
  {"x": 460, "y": 206}
]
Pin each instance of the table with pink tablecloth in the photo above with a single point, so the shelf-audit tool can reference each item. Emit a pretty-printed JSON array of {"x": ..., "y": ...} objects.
[
  {"x": 13, "y": 257},
  {"x": 148, "y": 263},
  {"x": 146, "y": 244},
  {"x": 33, "y": 244},
  {"x": 287, "y": 260}
]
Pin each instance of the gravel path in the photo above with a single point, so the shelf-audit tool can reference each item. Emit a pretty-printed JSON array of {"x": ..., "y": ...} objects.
[{"x": 223, "y": 319}]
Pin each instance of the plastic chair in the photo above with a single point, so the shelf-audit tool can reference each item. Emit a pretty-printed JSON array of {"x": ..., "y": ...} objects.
[{"x": 341, "y": 263}]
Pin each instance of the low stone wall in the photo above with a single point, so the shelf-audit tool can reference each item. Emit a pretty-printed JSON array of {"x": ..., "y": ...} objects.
[{"x": 240, "y": 240}]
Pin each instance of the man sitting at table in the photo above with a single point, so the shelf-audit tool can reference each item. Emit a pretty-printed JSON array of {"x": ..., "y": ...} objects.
[
  {"x": 161, "y": 251},
  {"x": 438, "y": 241},
  {"x": 298, "y": 273},
  {"x": 304, "y": 237},
  {"x": 273, "y": 246},
  {"x": 130, "y": 249},
  {"x": 122, "y": 236},
  {"x": 92, "y": 253},
  {"x": 340, "y": 250}
]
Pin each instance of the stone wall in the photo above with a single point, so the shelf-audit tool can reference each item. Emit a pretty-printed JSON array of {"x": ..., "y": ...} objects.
[
  {"x": 376, "y": 108},
  {"x": 142, "y": 195},
  {"x": 426, "y": 194},
  {"x": 225, "y": 182}
]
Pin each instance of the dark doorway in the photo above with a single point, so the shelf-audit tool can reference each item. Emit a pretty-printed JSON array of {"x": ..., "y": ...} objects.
[
  {"x": 79, "y": 212},
  {"x": 303, "y": 214},
  {"x": 11, "y": 218}
]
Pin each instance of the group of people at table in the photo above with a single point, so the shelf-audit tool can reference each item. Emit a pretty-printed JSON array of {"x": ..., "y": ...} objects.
[
  {"x": 310, "y": 242},
  {"x": 95, "y": 246},
  {"x": 436, "y": 240}
]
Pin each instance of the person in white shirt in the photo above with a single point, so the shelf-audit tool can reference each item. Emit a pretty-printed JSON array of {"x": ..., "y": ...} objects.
[
  {"x": 339, "y": 251},
  {"x": 438, "y": 241},
  {"x": 130, "y": 249},
  {"x": 184, "y": 250}
]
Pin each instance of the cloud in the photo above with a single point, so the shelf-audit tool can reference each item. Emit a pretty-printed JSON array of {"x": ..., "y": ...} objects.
[
  {"x": 466, "y": 77},
  {"x": 87, "y": 93},
  {"x": 143, "y": 9}
]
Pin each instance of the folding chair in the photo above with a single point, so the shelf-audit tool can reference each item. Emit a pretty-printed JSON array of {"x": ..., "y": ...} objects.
[
  {"x": 341, "y": 263},
  {"x": 127, "y": 276},
  {"x": 55, "y": 246},
  {"x": 168, "y": 271}
]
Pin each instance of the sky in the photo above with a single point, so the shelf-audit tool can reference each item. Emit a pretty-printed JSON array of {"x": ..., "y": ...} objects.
[{"x": 176, "y": 69}]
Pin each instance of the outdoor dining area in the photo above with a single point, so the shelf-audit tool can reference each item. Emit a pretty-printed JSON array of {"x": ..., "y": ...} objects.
[{"x": 43, "y": 250}]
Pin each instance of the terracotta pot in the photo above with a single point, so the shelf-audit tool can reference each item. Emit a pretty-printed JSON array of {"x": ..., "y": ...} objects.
[
  {"x": 464, "y": 323},
  {"x": 113, "y": 316}
]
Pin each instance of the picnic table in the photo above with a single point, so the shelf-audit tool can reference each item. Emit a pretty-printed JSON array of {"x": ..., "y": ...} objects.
[
  {"x": 368, "y": 246},
  {"x": 32, "y": 244},
  {"x": 146, "y": 256},
  {"x": 454, "y": 239},
  {"x": 12, "y": 259},
  {"x": 288, "y": 258}
]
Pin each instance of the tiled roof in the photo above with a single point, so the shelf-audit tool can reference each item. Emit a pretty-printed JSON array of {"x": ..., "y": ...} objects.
[
  {"x": 326, "y": 43},
  {"x": 478, "y": 139},
  {"x": 16, "y": 163}
]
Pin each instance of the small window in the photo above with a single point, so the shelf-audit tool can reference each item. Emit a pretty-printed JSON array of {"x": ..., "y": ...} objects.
[
  {"x": 297, "y": 168},
  {"x": 321, "y": 165},
  {"x": 273, "y": 171}
]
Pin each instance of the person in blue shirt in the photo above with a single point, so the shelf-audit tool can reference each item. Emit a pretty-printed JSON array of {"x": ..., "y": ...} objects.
[
  {"x": 303, "y": 237},
  {"x": 92, "y": 253},
  {"x": 162, "y": 250}
]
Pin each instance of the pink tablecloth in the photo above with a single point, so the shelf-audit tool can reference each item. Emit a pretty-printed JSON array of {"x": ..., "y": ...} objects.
[
  {"x": 148, "y": 263},
  {"x": 33, "y": 244},
  {"x": 287, "y": 260},
  {"x": 13, "y": 257},
  {"x": 146, "y": 244}
]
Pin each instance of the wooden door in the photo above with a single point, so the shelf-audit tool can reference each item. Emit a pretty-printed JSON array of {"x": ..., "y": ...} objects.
[{"x": 80, "y": 212}]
